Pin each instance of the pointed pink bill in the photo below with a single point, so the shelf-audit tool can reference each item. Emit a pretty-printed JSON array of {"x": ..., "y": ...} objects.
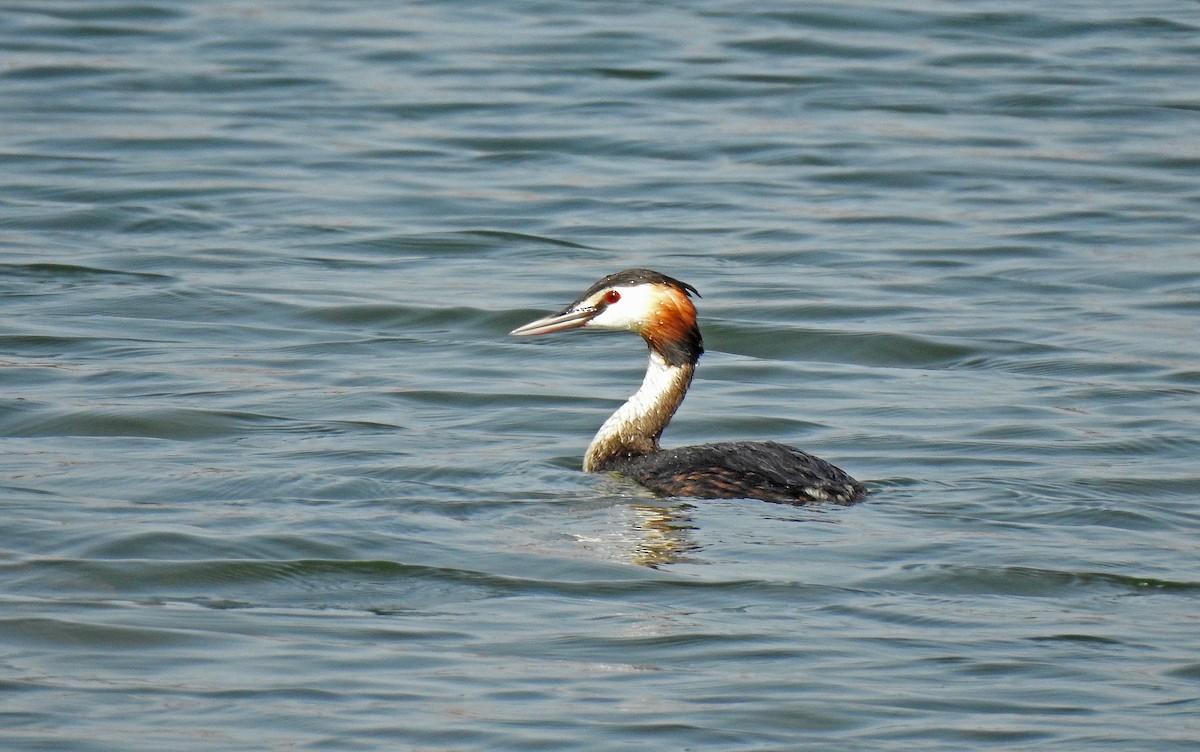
[{"x": 569, "y": 319}]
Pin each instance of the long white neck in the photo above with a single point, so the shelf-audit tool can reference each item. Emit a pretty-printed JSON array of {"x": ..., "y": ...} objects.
[{"x": 633, "y": 430}]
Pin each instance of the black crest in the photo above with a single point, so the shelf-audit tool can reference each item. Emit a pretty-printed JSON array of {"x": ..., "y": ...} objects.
[{"x": 631, "y": 277}]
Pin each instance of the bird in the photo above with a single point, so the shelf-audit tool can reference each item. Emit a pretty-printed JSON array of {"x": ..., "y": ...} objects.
[{"x": 660, "y": 309}]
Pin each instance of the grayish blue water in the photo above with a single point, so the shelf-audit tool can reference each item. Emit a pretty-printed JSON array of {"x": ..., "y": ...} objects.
[{"x": 273, "y": 475}]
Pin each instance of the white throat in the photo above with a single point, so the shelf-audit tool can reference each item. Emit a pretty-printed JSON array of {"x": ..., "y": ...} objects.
[{"x": 635, "y": 427}]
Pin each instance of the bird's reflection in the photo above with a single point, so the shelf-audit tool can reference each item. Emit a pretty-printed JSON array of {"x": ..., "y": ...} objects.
[
  {"x": 664, "y": 534},
  {"x": 649, "y": 533}
]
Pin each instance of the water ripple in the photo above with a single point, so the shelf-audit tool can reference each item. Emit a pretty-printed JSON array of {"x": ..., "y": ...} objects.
[{"x": 274, "y": 475}]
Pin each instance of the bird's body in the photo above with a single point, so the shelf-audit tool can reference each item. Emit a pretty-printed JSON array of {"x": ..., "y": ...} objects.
[
  {"x": 740, "y": 469},
  {"x": 659, "y": 308}
]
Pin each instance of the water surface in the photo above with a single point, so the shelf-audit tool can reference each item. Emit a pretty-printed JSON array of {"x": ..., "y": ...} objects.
[{"x": 274, "y": 476}]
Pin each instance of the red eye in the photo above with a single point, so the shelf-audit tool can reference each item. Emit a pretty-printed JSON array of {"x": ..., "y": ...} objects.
[{"x": 612, "y": 296}]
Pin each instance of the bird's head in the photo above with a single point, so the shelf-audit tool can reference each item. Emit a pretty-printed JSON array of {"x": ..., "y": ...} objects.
[{"x": 656, "y": 306}]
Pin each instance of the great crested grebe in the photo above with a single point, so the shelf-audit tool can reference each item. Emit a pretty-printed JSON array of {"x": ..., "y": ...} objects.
[{"x": 660, "y": 309}]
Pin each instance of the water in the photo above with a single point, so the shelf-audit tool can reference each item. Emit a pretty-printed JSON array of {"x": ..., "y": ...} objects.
[{"x": 274, "y": 476}]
